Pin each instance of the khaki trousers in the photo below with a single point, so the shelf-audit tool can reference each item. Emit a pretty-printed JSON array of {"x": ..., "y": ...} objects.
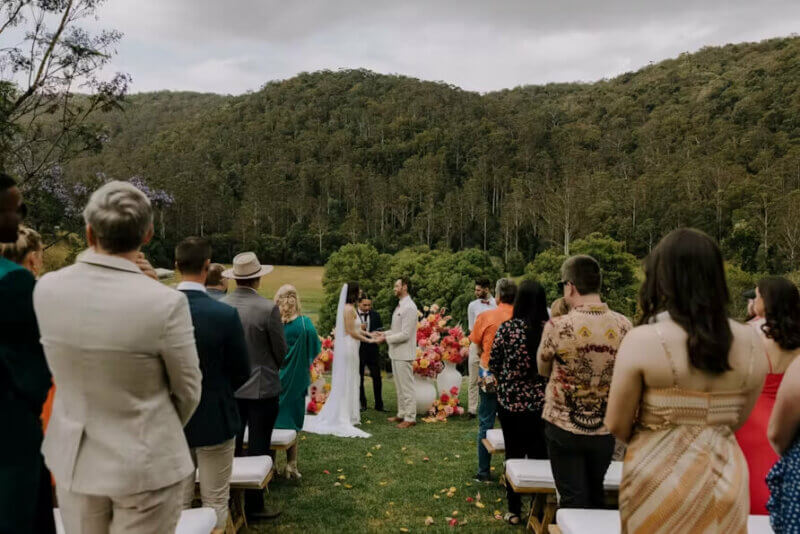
[
  {"x": 472, "y": 366},
  {"x": 150, "y": 512},
  {"x": 215, "y": 463},
  {"x": 404, "y": 383}
]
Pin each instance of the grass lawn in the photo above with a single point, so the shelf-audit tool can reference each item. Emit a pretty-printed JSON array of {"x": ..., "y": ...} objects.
[
  {"x": 307, "y": 280},
  {"x": 394, "y": 487}
]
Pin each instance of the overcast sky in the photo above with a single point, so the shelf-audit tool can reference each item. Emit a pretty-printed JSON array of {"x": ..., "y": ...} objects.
[{"x": 233, "y": 46}]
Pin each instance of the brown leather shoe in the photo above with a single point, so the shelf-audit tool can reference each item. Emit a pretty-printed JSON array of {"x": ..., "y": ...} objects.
[
  {"x": 406, "y": 424},
  {"x": 395, "y": 419}
]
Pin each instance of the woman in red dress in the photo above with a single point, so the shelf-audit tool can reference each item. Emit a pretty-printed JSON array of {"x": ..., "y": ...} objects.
[{"x": 777, "y": 308}]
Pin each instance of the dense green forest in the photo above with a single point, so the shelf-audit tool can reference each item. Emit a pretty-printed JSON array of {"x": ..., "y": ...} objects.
[{"x": 306, "y": 165}]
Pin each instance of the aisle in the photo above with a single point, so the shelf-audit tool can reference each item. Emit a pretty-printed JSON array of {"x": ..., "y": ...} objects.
[{"x": 388, "y": 485}]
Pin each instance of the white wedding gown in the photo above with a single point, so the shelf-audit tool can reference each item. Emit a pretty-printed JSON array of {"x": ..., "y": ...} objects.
[{"x": 341, "y": 412}]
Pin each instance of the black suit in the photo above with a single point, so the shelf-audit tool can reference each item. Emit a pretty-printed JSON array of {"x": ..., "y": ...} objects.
[
  {"x": 26, "y": 503},
  {"x": 369, "y": 357},
  {"x": 219, "y": 337}
]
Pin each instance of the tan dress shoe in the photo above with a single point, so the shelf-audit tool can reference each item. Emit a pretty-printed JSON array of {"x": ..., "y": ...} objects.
[{"x": 406, "y": 424}]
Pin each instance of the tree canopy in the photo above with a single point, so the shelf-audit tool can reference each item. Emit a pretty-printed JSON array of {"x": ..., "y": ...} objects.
[{"x": 306, "y": 165}]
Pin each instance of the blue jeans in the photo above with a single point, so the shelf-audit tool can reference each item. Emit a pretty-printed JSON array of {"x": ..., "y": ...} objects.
[{"x": 487, "y": 411}]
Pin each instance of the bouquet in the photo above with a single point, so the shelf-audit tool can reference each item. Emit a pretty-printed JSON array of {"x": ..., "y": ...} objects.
[
  {"x": 438, "y": 342},
  {"x": 445, "y": 406},
  {"x": 319, "y": 390}
]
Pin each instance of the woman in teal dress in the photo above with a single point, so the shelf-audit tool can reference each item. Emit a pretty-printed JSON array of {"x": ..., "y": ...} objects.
[{"x": 303, "y": 346}]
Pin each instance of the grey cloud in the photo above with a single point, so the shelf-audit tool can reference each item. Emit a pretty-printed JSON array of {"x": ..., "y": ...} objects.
[{"x": 238, "y": 45}]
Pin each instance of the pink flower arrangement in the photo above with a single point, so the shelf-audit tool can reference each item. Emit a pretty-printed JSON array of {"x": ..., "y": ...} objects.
[
  {"x": 445, "y": 406},
  {"x": 318, "y": 392},
  {"x": 437, "y": 342}
]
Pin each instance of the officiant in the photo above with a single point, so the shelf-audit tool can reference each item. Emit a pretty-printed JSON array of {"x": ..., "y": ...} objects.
[{"x": 369, "y": 353}]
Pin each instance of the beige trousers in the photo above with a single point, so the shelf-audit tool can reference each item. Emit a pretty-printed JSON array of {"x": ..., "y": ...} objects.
[
  {"x": 472, "y": 366},
  {"x": 150, "y": 512},
  {"x": 214, "y": 463},
  {"x": 404, "y": 383}
]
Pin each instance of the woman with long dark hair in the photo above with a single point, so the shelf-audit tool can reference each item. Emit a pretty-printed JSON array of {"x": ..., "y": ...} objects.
[
  {"x": 777, "y": 303},
  {"x": 520, "y": 389},
  {"x": 684, "y": 380},
  {"x": 341, "y": 413}
]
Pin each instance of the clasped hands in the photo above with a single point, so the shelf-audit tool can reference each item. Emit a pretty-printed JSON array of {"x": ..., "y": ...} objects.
[{"x": 376, "y": 337}]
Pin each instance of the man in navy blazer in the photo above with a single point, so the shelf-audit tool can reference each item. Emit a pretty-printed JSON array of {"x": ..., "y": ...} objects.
[{"x": 222, "y": 350}]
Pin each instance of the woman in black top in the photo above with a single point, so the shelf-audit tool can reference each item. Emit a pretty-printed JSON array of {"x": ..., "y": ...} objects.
[{"x": 520, "y": 389}]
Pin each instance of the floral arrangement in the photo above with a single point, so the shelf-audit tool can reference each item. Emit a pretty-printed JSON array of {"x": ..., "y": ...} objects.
[
  {"x": 319, "y": 390},
  {"x": 438, "y": 342},
  {"x": 445, "y": 406}
]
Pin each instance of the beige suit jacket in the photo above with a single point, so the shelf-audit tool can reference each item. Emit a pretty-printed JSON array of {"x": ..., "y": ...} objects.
[
  {"x": 402, "y": 338},
  {"x": 122, "y": 352}
]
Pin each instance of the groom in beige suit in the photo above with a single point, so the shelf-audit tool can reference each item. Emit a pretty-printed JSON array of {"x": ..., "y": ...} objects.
[{"x": 402, "y": 341}]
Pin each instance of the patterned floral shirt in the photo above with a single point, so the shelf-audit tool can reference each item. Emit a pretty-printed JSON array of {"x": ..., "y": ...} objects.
[
  {"x": 582, "y": 346},
  {"x": 519, "y": 386}
]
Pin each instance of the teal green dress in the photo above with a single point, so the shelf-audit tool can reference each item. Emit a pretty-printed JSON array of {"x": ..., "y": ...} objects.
[{"x": 304, "y": 345}]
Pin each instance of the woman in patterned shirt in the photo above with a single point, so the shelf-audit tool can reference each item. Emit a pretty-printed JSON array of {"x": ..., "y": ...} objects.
[{"x": 520, "y": 389}]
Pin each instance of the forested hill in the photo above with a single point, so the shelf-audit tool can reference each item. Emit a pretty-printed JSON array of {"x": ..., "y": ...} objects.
[{"x": 295, "y": 170}]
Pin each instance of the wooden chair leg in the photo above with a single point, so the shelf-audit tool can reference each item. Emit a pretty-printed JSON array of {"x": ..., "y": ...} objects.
[
  {"x": 549, "y": 515},
  {"x": 537, "y": 506},
  {"x": 236, "y": 515}
]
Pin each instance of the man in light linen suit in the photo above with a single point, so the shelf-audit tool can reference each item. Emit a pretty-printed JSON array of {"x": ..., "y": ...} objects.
[
  {"x": 402, "y": 341},
  {"x": 122, "y": 352}
]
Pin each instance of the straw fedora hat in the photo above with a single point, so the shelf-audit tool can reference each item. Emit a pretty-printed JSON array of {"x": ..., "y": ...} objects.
[{"x": 246, "y": 266}]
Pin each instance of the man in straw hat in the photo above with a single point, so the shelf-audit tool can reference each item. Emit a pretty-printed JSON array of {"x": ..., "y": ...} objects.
[{"x": 266, "y": 349}]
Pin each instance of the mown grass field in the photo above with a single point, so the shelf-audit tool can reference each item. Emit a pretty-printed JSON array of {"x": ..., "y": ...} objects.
[
  {"x": 307, "y": 280},
  {"x": 394, "y": 487}
]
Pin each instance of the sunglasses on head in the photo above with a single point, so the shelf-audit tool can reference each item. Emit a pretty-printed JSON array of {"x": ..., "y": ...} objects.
[{"x": 562, "y": 284}]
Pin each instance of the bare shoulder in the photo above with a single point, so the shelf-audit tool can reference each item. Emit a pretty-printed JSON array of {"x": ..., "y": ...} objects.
[
  {"x": 637, "y": 341},
  {"x": 748, "y": 346}
]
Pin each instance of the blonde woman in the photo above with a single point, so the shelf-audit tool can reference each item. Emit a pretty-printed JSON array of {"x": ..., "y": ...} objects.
[
  {"x": 303, "y": 346},
  {"x": 559, "y": 307},
  {"x": 27, "y": 251}
]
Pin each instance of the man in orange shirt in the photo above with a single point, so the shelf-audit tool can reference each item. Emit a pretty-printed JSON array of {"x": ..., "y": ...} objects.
[{"x": 482, "y": 336}]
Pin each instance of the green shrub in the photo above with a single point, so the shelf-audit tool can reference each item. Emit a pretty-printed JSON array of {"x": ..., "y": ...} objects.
[{"x": 619, "y": 268}]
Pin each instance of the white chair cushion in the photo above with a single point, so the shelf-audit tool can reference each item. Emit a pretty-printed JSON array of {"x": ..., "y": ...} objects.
[
  {"x": 495, "y": 437},
  {"x": 759, "y": 524},
  {"x": 59, "y": 521},
  {"x": 194, "y": 521},
  {"x": 613, "y": 476},
  {"x": 530, "y": 473},
  {"x": 538, "y": 474},
  {"x": 584, "y": 521},
  {"x": 250, "y": 470},
  {"x": 197, "y": 521},
  {"x": 607, "y": 522},
  {"x": 281, "y": 436}
]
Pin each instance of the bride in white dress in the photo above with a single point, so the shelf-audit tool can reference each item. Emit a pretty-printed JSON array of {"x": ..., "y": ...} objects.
[{"x": 341, "y": 412}]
